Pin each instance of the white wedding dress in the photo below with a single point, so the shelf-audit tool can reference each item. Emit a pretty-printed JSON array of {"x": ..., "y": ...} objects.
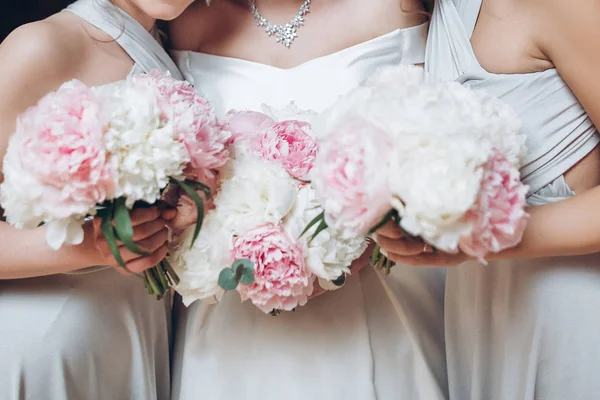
[{"x": 376, "y": 338}]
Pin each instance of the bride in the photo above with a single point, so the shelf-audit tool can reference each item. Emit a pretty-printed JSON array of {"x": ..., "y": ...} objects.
[{"x": 376, "y": 338}]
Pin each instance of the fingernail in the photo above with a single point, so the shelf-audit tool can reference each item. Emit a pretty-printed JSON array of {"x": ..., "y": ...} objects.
[
  {"x": 374, "y": 236},
  {"x": 385, "y": 253}
]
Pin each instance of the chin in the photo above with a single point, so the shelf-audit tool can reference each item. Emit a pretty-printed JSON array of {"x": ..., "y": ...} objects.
[{"x": 166, "y": 10}]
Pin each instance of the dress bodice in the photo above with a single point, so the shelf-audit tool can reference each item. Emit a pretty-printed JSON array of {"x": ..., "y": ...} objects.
[
  {"x": 142, "y": 46},
  {"x": 559, "y": 131},
  {"x": 231, "y": 83}
]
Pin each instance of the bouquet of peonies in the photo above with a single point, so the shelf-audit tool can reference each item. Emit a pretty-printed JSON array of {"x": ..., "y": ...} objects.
[
  {"x": 252, "y": 240},
  {"x": 84, "y": 151},
  {"x": 440, "y": 159}
]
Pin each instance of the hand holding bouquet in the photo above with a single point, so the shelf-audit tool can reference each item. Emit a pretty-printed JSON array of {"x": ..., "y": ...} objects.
[
  {"x": 439, "y": 159},
  {"x": 83, "y": 152}
]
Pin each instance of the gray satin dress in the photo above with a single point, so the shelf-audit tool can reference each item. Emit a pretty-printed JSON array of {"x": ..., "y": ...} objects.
[
  {"x": 92, "y": 334},
  {"x": 521, "y": 329}
]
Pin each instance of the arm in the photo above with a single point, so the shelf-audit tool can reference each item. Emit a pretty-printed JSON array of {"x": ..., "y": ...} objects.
[
  {"x": 34, "y": 60},
  {"x": 570, "y": 38},
  {"x": 32, "y": 64}
]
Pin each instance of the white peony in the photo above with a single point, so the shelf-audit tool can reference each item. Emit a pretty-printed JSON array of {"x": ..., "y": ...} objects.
[
  {"x": 141, "y": 141},
  {"x": 22, "y": 198},
  {"x": 328, "y": 256},
  {"x": 429, "y": 108},
  {"x": 436, "y": 181},
  {"x": 20, "y": 193},
  {"x": 397, "y": 76},
  {"x": 199, "y": 267},
  {"x": 254, "y": 192},
  {"x": 289, "y": 112}
]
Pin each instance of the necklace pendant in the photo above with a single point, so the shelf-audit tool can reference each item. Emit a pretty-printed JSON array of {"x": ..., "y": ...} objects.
[{"x": 284, "y": 34}]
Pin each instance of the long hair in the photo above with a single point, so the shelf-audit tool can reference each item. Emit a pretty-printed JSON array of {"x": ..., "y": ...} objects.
[{"x": 24, "y": 11}]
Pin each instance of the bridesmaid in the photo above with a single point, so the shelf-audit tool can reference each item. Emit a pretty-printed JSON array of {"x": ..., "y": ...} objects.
[
  {"x": 70, "y": 330},
  {"x": 527, "y": 325}
]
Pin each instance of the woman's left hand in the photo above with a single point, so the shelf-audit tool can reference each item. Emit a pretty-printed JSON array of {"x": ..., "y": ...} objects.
[
  {"x": 407, "y": 251},
  {"x": 186, "y": 208}
]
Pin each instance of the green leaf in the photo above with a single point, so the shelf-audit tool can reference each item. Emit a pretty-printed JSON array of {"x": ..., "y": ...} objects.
[
  {"x": 322, "y": 226},
  {"x": 375, "y": 255},
  {"x": 388, "y": 217},
  {"x": 124, "y": 228},
  {"x": 199, "y": 206},
  {"x": 227, "y": 279},
  {"x": 244, "y": 271},
  {"x": 151, "y": 281},
  {"x": 171, "y": 274},
  {"x": 318, "y": 218},
  {"x": 108, "y": 231},
  {"x": 160, "y": 273},
  {"x": 199, "y": 186}
]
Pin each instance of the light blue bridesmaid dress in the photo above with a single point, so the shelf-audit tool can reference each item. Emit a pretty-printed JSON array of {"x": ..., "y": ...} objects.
[
  {"x": 521, "y": 329},
  {"x": 92, "y": 334}
]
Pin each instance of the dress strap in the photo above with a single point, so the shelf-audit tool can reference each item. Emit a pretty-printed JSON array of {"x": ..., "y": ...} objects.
[
  {"x": 142, "y": 46},
  {"x": 449, "y": 43}
]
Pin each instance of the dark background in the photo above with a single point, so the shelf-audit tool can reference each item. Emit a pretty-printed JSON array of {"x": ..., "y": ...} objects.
[
  {"x": 24, "y": 11},
  {"x": 20, "y": 12}
]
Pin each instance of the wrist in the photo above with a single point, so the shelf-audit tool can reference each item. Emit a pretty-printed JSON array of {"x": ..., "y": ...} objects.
[{"x": 87, "y": 253}]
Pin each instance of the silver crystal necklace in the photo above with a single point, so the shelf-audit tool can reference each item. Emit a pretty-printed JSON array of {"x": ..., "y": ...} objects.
[{"x": 284, "y": 34}]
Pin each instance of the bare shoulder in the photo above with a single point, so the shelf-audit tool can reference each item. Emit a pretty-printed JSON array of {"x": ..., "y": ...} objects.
[
  {"x": 570, "y": 36},
  {"x": 564, "y": 21},
  {"x": 186, "y": 31},
  {"x": 51, "y": 45},
  {"x": 35, "y": 59}
]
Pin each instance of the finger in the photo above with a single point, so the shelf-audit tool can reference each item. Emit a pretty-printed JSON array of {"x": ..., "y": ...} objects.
[
  {"x": 148, "y": 245},
  {"x": 426, "y": 259},
  {"x": 401, "y": 247},
  {"x": 390, "y": 230},
  {"x": 143, "y": 263},
  {"x": 142, "y": 215},
  {"x": 168, "y": 214},
  {"x": 148, "y": 229}
]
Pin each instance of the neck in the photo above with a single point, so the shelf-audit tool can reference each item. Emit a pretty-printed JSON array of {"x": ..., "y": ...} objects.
[{"x": 134, "y": 11}]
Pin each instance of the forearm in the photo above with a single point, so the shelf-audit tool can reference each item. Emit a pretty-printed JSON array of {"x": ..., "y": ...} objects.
[
  {"x": 566, "y": 228},
  {"x": 25, "y": 254}
]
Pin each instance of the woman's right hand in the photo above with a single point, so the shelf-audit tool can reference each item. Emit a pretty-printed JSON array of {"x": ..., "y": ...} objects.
[{"x": 150, "y": 233}]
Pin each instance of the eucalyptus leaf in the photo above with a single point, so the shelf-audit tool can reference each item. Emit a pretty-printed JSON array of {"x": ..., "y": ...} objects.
[
  {"x": 124, "y": 227},
  {"x": 227, "y": 279},
  {"x": 243, "y": 263}
]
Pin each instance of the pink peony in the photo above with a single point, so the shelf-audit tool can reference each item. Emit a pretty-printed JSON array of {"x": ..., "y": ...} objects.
[
  {"x": 61, "y": 145},
  {"x": 498, "y": 215},
  {"x": 247, "y": 124},
  {"x": 204, "y": 135},
  {"x": 281, "y": 279},
  {"x": 291, "y": 144},
  {"x": 351, "y": 177}
]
